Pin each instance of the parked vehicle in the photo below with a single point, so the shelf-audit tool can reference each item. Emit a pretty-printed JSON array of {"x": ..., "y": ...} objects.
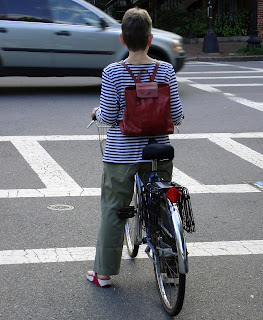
[{"x": 68, "y": 38}]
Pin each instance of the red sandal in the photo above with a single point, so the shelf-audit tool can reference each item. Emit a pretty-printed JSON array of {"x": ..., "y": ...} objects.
[{"x": 99, "y": 282}]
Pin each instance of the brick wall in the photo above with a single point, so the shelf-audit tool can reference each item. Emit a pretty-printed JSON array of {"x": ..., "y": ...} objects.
[{"x": 260, "y": 19}]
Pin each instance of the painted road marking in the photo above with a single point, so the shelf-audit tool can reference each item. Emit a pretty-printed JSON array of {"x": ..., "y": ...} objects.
[
  {"x": 195, "y": 187},
  {"x": 222, "y": 64},
  {"x": 47, "y": 169},
  {"x": 96, "y": 192},
  {"x": 59, "y": 184},
  {"x": 204, "y": 87},
  {"x": 237, "y": 85},
  {"x": 240, "y": 150},
  {"x": 96, "y": 137},
  {"x": 180, "y": 79},
  {"x": 222, "y": 71},
  {"x": 246, "y": 102},
  {"x": 211, "y": 89},
  {"x": 77, "y": 254}
]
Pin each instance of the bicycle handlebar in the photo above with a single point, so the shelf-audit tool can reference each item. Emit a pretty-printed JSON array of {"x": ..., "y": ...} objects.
[{"x": 94, "y": 118}]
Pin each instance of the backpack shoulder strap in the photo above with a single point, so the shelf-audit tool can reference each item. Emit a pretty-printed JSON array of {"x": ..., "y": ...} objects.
[
  {"x": 152, "y": 77},
  {"x": 129, "y": 70},
  {"x": 155, "y": 70}
]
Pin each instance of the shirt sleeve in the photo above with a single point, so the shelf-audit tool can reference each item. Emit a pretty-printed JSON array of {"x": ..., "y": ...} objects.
[
  {"x": 109, "y": 101},
  {"x": 176, "y": 107}
]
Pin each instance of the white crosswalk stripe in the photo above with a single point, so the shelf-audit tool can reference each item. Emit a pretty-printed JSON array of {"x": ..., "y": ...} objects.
[
  {"x": 195, "y": 249},
  {"x": 59, "y": 184},
  {"x": 191, "y": 78}
]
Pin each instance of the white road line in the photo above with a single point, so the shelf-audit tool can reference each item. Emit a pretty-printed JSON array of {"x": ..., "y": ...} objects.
[
  {"x": 237, "y": 85},
  {"x": 49, "y": 193},
  {"x": 195, "y": 187},
  {"x": 59, "y": 184},
  {"x": 208, "y": 64},
  {"x": 211, "y": 89},
  {"x": 78, "y": 254},
  {"x": 222, "y": 64},
  {"x": 240, "y": 150},
  {"x": 96, "y": 192},
  {"x": 246, "y": 102},
  {"x": 205, "y": 87},
  {"x": 225, "y": 248},
  {"x": 183, "y": 179},
  {"x": 47, "y": 169},
  {"x": 180, "y": 79},
  {"x": 88, "y": 137},
  {"x": 190, "y": 136},
  {"x": 224, "y": 188},
  {"x": 218, "y": 72},
  {"x": 180, "y": 136}
]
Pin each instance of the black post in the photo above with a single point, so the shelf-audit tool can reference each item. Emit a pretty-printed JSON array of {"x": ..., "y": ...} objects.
[
  {"x": 210, "y": 44},
  {"x": 254, "y": 41}
]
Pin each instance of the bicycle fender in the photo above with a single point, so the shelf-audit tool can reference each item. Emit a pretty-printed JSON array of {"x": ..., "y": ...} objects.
[{"x": 179, "y": 235}]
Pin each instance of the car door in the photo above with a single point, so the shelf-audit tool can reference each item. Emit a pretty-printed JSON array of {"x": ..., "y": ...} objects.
[
  {"x": 81, "y": 41},
  {"x": 25, "y": 37}
]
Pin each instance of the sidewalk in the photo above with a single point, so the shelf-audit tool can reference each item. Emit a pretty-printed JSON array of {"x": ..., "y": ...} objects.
[{"x": 227, "y": 52}]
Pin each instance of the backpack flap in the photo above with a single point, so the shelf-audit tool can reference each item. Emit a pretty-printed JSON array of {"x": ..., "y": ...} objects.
[{"x": 147, "y": 90}]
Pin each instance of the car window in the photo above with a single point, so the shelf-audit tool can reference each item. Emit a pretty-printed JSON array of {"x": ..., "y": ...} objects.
[
  {"x": 1, "y": 8},
  {"x": 70, "y": 12},
  {"x": 27, "y": 10}
]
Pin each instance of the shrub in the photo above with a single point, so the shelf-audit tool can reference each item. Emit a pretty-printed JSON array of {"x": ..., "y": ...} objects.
[
  {"x": 232, "y": 24},
  {"x": 173, "y": 20},
  {"x": 200, "y": 24},
  {"x": 250, "y": 51},
  {"x": 183, "y": 23}
]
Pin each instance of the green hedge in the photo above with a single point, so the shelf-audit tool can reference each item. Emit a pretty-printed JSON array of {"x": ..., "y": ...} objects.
[
  {"x": 229, "y": 24},
  {"x": 180, "y": 21},
  {"x": 195, "y": 24}
]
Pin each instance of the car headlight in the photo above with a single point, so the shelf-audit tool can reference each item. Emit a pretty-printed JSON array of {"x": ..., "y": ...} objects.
[{"x": 178, "y": 45}]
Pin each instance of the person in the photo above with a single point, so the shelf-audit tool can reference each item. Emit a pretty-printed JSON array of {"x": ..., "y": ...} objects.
[{"x": 123, "y": 154}]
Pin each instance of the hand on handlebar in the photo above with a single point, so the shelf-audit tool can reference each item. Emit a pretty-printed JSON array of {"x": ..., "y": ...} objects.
[
  {"x": 93, "y": 113},
  {"x": 93, "y": 117}
]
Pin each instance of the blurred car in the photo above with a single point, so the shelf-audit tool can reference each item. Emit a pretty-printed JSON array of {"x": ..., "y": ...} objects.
[{"x": 68, "y": 38}]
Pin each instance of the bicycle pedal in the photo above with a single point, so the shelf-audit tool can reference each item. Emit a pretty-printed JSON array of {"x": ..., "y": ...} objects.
[{"x": 126, "y": 212}]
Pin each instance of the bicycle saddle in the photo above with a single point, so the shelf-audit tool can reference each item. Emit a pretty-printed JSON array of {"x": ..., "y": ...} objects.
[{"x": 157, "y": 151}]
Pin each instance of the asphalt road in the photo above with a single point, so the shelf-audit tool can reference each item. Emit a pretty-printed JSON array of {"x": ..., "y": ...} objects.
[{"x": 50, "y": 168}]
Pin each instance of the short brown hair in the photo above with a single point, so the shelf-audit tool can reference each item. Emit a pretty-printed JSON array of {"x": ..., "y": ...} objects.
[{"x": 136, "y": 27}]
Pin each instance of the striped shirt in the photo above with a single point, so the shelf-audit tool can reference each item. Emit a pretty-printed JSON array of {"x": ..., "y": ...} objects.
[{"x": 115, "y": 77}]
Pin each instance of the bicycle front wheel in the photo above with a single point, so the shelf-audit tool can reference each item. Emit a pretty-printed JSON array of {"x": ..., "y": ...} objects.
[
  {"x": 133, "y": 227},
  {"x": 170, "y": 282}
]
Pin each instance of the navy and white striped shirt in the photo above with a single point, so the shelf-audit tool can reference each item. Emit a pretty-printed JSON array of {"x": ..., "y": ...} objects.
[{"x": 115, "y": 77}]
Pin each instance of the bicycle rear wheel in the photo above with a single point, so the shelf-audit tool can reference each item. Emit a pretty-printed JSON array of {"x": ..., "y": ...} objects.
[
  {"x": 170, "y": 282},
  {"x": 133, "y": 227}
]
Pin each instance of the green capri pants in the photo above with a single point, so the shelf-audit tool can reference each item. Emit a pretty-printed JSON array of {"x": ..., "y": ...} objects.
[{"x": 117, "y": 188}]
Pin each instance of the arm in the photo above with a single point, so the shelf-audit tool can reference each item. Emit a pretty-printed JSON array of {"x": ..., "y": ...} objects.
[
  {"x": 108, "y": 110},
  {"x": 176, "y": 107}
]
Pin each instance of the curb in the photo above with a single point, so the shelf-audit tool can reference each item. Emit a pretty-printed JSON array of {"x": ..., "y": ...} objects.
[
  {"x": 219, "y": 39},
  {"x": 225, "y": 58}
]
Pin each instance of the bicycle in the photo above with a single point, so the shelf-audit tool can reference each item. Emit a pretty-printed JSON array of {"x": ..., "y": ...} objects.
[{"x": 160, "y": 212}]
